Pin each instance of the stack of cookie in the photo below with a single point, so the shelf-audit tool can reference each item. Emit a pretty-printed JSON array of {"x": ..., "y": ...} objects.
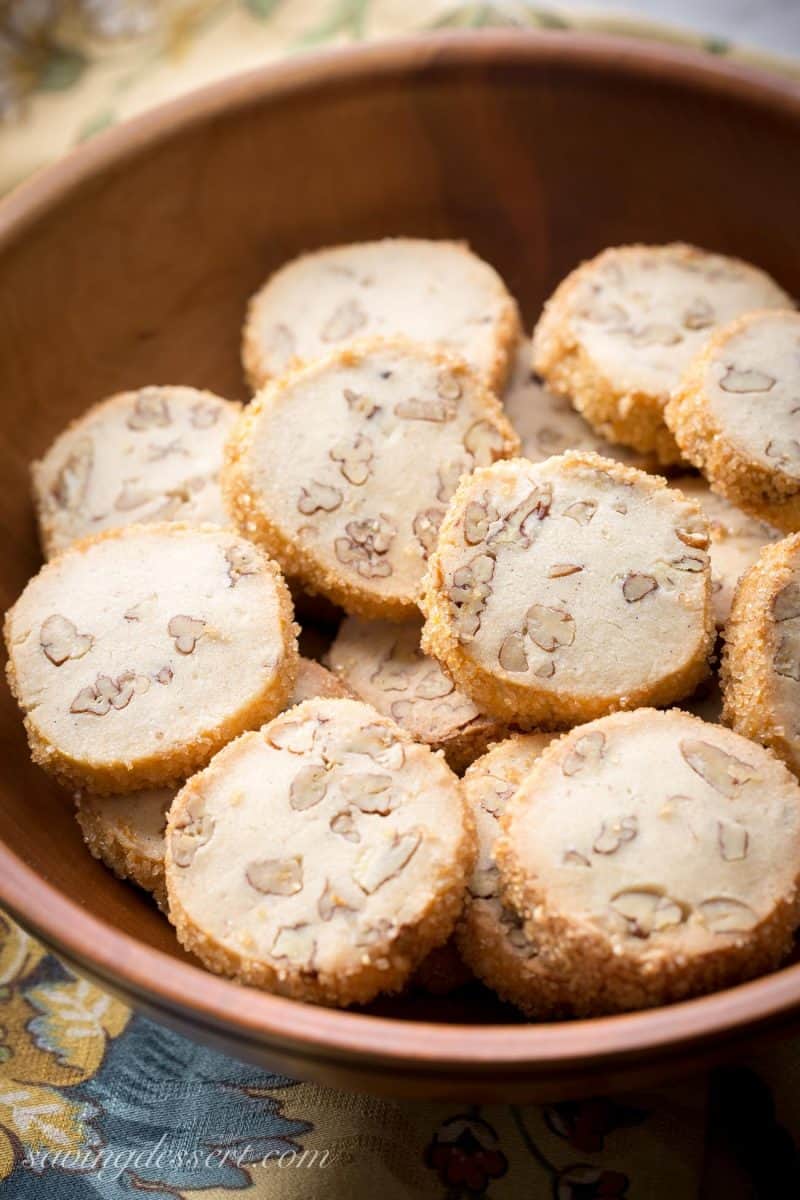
[{"x": 515, "y": 578}]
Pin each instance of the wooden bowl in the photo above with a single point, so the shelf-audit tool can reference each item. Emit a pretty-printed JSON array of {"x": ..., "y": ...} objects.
[{"x": 130, "y": 262}]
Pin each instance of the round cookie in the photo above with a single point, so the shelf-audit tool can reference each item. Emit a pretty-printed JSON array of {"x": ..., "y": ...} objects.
[
  {"x": 562, "y": 590},
  {"x": 433, "y": 292},
  {"x": 383, "y": 664},
  {"x": 652, "y": 857},
  {"x": 150, "y": 455},
  {"x": 127, "y": 832},
  {"x": 548, "y": 424},
  {"x": 135, "y": 655},
  {"x": 736, "y": 540},
  {"x": 489, "y": 935},
  {"x": 735, "y": 415},
  {"x": 621, "y": 328},
  {"x": 343, "y": 470},
  {"x": 761, "y": 658},
  {"x": 322, "y": 857}
]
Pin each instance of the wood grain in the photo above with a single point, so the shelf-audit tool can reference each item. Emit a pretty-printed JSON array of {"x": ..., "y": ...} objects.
[{"x": 131, "y": 263}]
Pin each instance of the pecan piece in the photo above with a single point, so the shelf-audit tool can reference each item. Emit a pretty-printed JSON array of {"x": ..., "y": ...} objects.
[
  {"x": 346, "y": 320},
  {"x": 193, "y": 829},
  {"x": 308, "y": 787},
  {"x": 741, "y": 382},
  {"x": 186, "y": 631},
  {"x": 468, "y": 593},
  {"x": 60, "y": 640},
  {"x": 425, "y": 527},
  {"x": 550, "y": 628},
  {"x": 384, "y": 860},
  {"x": 587, "y": 752},
  {"x": 365, "y": 546},
  {"x": 318, "y": 497},
  {"x": 150, "y": 410},
  {"x": 72, "y": 480},
  {"x": 276, "y": 876},
  {"x": 722, "y": 771},
  {"x": 636, "y": 586},
  {"x": 354, "y": 459}
]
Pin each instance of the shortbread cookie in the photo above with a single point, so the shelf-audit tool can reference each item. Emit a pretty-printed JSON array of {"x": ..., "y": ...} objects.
[
  {"x": 736, "y": 540},
  {"x": 548, "y": 424},
  {"x": 127, "y": 832},
  {"x": 321, "y": 857},
  {"x": 562, "y": 590},
  {"x": 437, "y": 293},
  {"x": 343, "y": 470},
  {"x": 735, "y": 415},
  {"x": 383, "y": 664},
  {"x": 618, "y": 332},
  {"x": 137, "y": 654},
  {"x": 652, "y": 857},
  {"x": 150, "y": 455},
  {"x": 489, "y": 934},
  {"x": 761, "y": 659}
]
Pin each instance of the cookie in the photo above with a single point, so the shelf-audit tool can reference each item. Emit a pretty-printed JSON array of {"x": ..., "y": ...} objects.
[
  {"x": 618, "y": 332},
  {"x": 150, "y": 455},
  {"x": 343, "y": 470},
  {"x": 383, "y": 664},
  {"x": 736, "y": 540},
  {"x": 761, "y": 658},
  {"x": 652, "y": 857},
  {"x": 127, "y": 832},
  {"x": 438, "y": 293},
  {"x": 735, "y": 415},
  {"x": 548, "y": 424},
  {"x": 322, "y": 857},
  {"x": 135, "y": 655},
  {"x": 562, "y": 590},
  {"x": 489, "y": 935}
]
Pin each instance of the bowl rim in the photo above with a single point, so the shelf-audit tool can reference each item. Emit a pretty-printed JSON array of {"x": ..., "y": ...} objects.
[{"x": 169, "y": 985}]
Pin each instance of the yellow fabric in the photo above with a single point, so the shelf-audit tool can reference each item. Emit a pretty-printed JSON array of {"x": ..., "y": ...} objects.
[{"x": 128, "y": 1108}]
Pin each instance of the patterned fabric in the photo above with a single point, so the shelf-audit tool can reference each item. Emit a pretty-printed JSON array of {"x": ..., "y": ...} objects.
[{"x": 97, "y": 1103}]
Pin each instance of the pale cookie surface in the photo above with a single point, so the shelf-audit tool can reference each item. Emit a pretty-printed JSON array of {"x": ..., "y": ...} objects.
[
  {"x": 562, "y": 590},
  {"x": 736, "y": 540},
  {"x": 548, "y": 424},
  {"x": 736, "y": 415},
  {"x": 127, "y": 832},
  {"x": 761, "y": 659},
  {"x": 135, "y": 655},
  {"x": 652, "y": 856},
  {"x": 343, "y": 470},
  {"x": 383, "y": 663},
  {"x": 321, "y": 857},
  {"x": 618, "y": 332},
  {"x": 490, "y": 936},
  {"x": 430, "y": 292},
  {"x": 150, "y": 455}
]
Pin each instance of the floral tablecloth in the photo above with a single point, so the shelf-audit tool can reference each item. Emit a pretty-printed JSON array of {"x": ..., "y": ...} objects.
[{"x": 97, "y": 1103}]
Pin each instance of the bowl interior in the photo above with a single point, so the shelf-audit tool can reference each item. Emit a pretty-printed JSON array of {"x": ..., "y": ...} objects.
[{"x": 132, "y": 263}]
